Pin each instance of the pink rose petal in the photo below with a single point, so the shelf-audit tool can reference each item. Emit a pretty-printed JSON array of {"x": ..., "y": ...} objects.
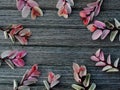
[
  {"x": 26, "y": 11},
  {"x": 96, "y": 34},
  {"x": 94, "y": 58},
  {"x": 100, "y": 64},
  {"x": 18, "y": 62}
]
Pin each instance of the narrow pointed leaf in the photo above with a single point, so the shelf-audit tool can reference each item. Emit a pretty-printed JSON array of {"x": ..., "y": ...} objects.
[
  {"x": 86, "y": 82},
  {"x": 6, "y": 35},
  {"x": 77, "y": 87},
  {"x": 109, "y": 25},
  {"x": 116, "y": 62},
  {"x": 15, "y": 85},
  {"x": 106, "y": 68},
  {"x": 113, "y": 70},
  {"x": 113, "y": 35},
  {"x": 10, "y": 64},
  {"x": 92, "y": 87},
  {"x": 109, "y": 59},
  {"x": 46, "y": 85},
  {"x": 117, "y": 23}
]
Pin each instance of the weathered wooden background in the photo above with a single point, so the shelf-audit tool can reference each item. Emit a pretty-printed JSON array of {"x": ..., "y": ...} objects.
[{"x": 57, "y": 42}]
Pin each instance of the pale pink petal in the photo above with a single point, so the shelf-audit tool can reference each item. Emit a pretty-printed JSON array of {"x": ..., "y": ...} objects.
[
  {"x": 68, "y": 7},
  {"x": 60, "y": 3},
  {"x": 83, "y": 14},
  {"x": 25, "y": 11},
  {"x": 100, "y": 64},
  {"x": 96, "y": 34},
  {"x": 32, "y": 3},
  {"x": 105, "y": 34},
  {"x": 98, "y": 53},
  {"x": 18, "y": 62},
  {"x": 76, "y": 77},
  {"x": 91, "y": 27},
  {"x": 99, "y": 24},
  {"x": 102, "y": 58},
  {"x": 20, "y": 4},
  {"x": 109, "y": 59},
  {"x": 50, "y": 77},
  {"x": 63, "y": 12},
  {"x": 83, "y": 71},
  {"x": 94, "y": 58},
  {"x": 76, "y": 67},
  {"x": 21, "y": 54}
]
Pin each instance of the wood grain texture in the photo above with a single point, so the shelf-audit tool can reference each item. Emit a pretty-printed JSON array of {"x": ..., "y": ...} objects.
[{"x": 57, "y": 42}]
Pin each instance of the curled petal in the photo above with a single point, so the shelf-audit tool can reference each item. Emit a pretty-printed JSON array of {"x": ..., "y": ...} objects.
[
  {"x": 63, "y": 12},
  {"x": 36, "y": 11}
]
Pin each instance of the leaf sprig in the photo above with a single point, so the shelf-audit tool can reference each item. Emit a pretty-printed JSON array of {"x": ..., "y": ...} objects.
[
  {"x": 53, "y": 80},
  {"x": 107, "y": 65},
  {"x": 27, "y": 6},
  {"x": 13, "y": 58},
  {"x": 17, "y": 32},
  {"x": 103, "y": 29},
  {"x": 82, "y": 78},
  {"x": 64, "y": 7},
  {"x": 30, "y": 77},
  {"x": 89, "y": 12}
]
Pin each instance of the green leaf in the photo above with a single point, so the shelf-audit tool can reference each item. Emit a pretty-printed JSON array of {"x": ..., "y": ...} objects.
[
  {"x": 6, "y": 34},
  {"x": 86, "y": 82},
  {"x": 10, "y": 64},
  {"x": 77, "y": 87},
  {"x": 113, "y": 70},
  {"x": 12, "y": 38},
  {"x": 113, "y": 35},
  {"x": 116, "y": 62},
  {"x": 24, "y": 88},
  {"x": 117, "y": 23},
  {"x": 106, "y": 68},
  {"x": 15, "y": 85},
  {"x": 109, "y": 25},
  {"x": 92, "y": 87},
  {"x": 47, "y": 86}
]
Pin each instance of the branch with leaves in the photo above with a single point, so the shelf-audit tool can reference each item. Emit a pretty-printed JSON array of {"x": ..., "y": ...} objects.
[
  {"x": 82, "y": 78},
  {"x": 30, "y": 77},
  {"x": 27, "y": 6},
  {"x": 107, "y": 65},
  {"x": 13, "y": 58},
  {"x": 53, "y": 80},
  {"x": 64, "y": 7},
  {"x": 17, "y": 32},
  {"x": 103, "y": 29},
  {"x": 89, "y": 12}
]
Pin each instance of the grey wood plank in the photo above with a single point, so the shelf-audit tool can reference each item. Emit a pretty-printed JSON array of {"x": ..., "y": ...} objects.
[{"x": 79, "y": 4}]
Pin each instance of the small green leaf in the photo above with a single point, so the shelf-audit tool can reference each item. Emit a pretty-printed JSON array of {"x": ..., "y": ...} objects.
[
  {"x": 12, "y": 38},
  {"x": 107, "y": 68},
  {"x": 117, "y": 23},
  {"x": 92, "y": 87},
  {"x": 15, "y": 85},
  {"x": 113, "y": 70},
  {"x": 47, "y": 86},
  {"x": 6, "y": 34},
  {"x": 109, "y": 25},
  {"x": 77, "y": 87},
  {"x": 113, "y": 35},
  {"x": 10, "y": 64},
  {"x": 116, "y": 62},
  {"x": 86, "y": 82}
]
